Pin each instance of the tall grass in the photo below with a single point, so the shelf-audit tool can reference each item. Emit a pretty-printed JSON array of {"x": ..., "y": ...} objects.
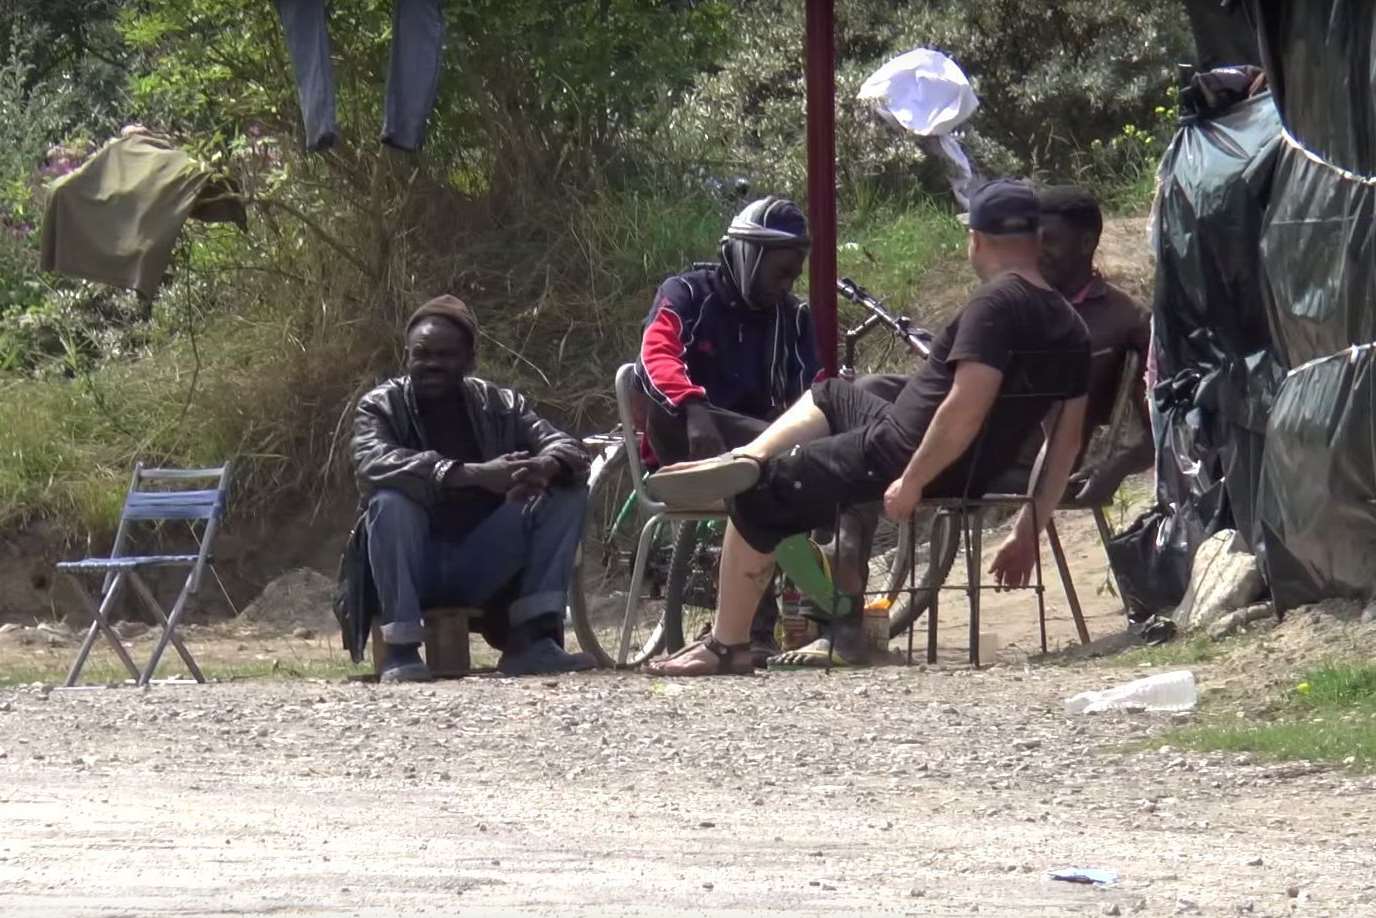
[{"x": 269, "y": 383}]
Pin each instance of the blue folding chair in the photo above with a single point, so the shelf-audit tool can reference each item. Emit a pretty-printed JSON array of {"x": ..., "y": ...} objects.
[{"x": 120, "y": 568}]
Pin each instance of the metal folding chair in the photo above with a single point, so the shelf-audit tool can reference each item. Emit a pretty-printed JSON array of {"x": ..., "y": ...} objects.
[
  {"x": 121, "y": 568},
  {"x": 1117, "y": 425},
  {"x": 659, "y": 513},
  {"x": 970, "y": 514}
]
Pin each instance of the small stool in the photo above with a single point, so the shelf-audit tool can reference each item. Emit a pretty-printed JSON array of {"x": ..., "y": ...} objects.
[{"x": 446, "y": 641}]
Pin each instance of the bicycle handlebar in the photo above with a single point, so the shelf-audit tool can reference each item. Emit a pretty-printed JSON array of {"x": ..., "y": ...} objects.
[{"x": 916, "y": 339}]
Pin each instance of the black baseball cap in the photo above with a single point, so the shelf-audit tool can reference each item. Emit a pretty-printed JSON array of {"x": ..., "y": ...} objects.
[{"x": 1003, "y": 207}]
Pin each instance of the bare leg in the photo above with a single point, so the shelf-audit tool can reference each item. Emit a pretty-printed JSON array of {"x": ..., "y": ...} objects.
[
  {"x": 744, "y": 575},
  {"x": 742, "y": 580},
  {"x": 701, "y": 482},
  {"x": 842, "y": 642},
  {"x": 801, "y": 423},
  {"x": 851, "y": 551}
]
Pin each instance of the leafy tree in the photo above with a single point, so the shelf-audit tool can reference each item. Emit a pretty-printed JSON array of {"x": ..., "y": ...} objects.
[{"x": 1051, "y": 78}]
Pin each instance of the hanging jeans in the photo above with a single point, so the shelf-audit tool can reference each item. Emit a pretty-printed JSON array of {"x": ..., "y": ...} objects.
[{"x": 412, "y": 77}]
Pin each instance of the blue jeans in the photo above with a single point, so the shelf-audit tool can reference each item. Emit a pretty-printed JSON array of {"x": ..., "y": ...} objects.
[
  {"x": 412, "y": 77},
  {"x": 412, "y": 569}
]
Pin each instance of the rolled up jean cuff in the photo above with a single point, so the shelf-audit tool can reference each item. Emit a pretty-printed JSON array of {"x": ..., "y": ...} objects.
[
  {"x": 403, "y": 633},
  {"x": 529, "y": 608}
]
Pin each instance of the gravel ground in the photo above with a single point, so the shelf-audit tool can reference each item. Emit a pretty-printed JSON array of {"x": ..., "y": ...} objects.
[{"x": 895, "y": 791}]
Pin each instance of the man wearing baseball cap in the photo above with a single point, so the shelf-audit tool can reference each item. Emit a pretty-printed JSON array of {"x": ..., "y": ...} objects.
[{"x": 1015, "y": 356}]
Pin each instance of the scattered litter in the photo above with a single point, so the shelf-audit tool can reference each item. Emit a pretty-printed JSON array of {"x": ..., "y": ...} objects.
[
  {"x": 1091, "y": 875},
  {"x": 1175, "y": 691}
]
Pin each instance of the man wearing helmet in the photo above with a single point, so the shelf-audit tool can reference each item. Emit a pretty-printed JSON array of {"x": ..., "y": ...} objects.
[{"x": 727, "y": 348}]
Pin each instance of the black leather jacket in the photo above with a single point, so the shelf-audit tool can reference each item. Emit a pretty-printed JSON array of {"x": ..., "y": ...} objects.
[{"x": 391, "y": 451}]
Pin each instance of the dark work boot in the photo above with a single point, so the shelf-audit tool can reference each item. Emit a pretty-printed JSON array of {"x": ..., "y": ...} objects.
[
  {"x": 536, "y": 649},
  {"x": 402, "y": 663}
]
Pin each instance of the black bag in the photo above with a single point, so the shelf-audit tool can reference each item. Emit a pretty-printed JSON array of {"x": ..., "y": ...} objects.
[
  {"x": 1151, "y": 559},
  {"x": 1148, "y": 569}
]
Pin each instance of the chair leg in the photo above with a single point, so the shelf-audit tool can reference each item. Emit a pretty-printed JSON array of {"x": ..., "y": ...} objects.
[
  {"x": 1040, "y": 585},
  {"x": 100, "y": 623},
  {"x": 1063, "y": 568},
  {"x": 151, "y": 602},
  {"x": 974, "y": 541},
  {"x": 932, "y": 612},
  {"x": 169, "y": 629},
  {"x": 642, "y": 558},
  {"x": 1105, "y": 534},
  {"x": 912, "y": 582}
]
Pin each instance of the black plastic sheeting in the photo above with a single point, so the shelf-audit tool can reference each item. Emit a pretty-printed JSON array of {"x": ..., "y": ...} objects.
[
  {"x": 1319, "y": 253},
  {"x": 1319, "y": 486},
  {"x": 1223, "y": 36},
  {"x": 1216, "y": 372},
  {"x": 1320, "y": 60},
  {"x": 1266, "y": 286},
  {"x": 1319, "y": 259}
]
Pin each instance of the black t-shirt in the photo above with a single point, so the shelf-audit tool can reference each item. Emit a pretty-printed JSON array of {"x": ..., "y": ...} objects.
[
  {"x": 1039, "y": 343},
  {"x": 452, "y": 436}
]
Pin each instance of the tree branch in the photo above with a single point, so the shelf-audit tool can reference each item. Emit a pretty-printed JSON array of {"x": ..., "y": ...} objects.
[{"x": 320, "y": 232}]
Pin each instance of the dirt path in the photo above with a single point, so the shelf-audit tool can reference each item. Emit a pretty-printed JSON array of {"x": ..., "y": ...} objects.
[
  {"x": 892, "y": 791},
  {"x": 895, "y": 791}
]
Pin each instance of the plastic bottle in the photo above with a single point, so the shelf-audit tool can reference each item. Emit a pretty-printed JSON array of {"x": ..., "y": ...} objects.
[{"x": 1175, "y": 691}]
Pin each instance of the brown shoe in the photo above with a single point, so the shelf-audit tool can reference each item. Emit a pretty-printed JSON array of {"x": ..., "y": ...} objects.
[{"x": 707, "y": 657}]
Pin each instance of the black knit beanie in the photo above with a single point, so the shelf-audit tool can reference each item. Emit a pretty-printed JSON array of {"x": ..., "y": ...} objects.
[{"x": 451, "y": 308}]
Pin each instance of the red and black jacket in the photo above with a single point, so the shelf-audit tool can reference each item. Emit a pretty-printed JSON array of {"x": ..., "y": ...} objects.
[{"x": 701, "y": 340}]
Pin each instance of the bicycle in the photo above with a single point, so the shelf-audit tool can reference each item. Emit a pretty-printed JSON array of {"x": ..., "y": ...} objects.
[{"x": 678, "y": 594}]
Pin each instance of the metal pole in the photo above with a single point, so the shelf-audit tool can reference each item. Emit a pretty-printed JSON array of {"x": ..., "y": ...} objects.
[{"x": 821, "y": 176}]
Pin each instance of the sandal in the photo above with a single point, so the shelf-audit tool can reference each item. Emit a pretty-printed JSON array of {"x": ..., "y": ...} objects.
[
  {"x": 820, "y": 654},
  {"x": 699, "y": 484},
  {"x": 731, "y": 660}
]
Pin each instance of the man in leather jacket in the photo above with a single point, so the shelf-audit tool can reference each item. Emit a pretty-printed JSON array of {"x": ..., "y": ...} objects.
[{"x": 471, "y": 499}]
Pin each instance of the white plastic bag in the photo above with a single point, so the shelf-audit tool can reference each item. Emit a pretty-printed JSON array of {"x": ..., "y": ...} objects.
[
  {"x": 922, "y": 91},
  {"x": 925, "y": 92}
]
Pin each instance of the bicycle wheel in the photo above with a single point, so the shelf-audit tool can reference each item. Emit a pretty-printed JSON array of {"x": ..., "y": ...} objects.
[
  {"x": 691, "y": 592},
  {"x": 605, "y": 563},
  {"x": 939, "y": 539}
]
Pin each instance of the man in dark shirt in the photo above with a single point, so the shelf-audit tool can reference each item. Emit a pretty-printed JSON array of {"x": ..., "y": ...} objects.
[
  {"x": 1070, "y": 226},
  {"x": 1017, "y": 355},
  {"x": 472, "y": 499}
]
